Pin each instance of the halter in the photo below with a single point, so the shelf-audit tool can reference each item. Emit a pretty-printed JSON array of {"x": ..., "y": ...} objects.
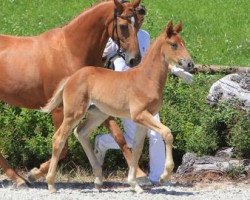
[{"x": 115, "y": 29}]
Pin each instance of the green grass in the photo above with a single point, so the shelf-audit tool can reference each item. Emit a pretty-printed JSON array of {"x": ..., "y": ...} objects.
[{"x": 215, "y": 31}]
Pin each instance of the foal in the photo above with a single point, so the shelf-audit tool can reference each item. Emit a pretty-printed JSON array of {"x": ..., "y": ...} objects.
[{"x": 119, "y": 94}]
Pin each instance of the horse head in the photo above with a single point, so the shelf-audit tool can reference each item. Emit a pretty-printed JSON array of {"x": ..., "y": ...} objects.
[
  {"x": 124, "y": 30},
  {"x": 174, "y": 49}
]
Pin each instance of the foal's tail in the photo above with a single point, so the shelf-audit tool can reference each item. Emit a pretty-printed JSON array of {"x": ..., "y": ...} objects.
[{"x": 56, "y": 99}]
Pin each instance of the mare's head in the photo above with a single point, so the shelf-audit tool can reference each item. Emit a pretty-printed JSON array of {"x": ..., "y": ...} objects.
[
  {"x": 123, "y": 30},
  {"x": 173, "y": 48}
]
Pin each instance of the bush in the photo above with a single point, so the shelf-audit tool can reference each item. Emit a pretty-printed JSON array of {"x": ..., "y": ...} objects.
[
  {"x": 198, "y": 127},
  {"x": 25, "y": 135},
  {"x": 239, "y": 137}
]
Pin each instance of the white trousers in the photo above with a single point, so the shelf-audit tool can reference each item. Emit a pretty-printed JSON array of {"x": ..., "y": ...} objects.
[{"x": 104, "y": 142}]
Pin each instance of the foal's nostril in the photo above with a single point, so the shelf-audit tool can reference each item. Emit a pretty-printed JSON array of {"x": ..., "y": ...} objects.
[
  {"x": 190, "y": 65},
  {"x": 180, "y": 62}
]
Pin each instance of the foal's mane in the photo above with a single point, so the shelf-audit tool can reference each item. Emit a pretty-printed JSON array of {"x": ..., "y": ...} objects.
[{"x": 152, "y": 47}]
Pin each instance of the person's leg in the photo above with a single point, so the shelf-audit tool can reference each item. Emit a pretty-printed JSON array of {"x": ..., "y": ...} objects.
[
  {"x": 104, "y": 142},
  {"x": 156, "y": 154}
]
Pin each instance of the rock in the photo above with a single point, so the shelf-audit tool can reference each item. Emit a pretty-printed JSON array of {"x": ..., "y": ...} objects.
[
  {"x": 226, "y": 152},
  {"x": 234, "y": 88},
  {"x": 194, "y": 164}
]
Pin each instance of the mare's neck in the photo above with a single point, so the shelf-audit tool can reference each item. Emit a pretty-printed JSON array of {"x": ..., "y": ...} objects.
[
  {"x": 87, "y": 34},
  {"x": 154, "y": 66}
]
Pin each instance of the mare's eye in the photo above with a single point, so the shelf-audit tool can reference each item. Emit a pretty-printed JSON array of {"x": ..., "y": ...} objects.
[
  {"x": 123, "y": 27},
  {"x": 174, "y": 46}
]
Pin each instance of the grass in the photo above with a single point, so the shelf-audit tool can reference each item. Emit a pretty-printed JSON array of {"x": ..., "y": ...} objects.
[{"x": 215, "y": 31}]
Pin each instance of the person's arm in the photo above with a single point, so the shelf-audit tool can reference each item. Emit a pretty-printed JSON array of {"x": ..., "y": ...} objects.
[
  {"x": 186, "y": 76},
  {"x": 120, "y": 65},
  {"x": 110, "y": 48}
]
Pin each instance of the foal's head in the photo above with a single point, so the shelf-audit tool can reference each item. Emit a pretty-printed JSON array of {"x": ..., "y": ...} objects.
[
  {"x": 174, "y": 50},
  {"x": 124, "y": 30}
]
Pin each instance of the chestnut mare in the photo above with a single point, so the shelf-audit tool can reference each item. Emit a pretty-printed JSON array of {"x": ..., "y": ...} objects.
[
  {"x": 127, "y": 99},
  {"x": 32, "y": 67}
]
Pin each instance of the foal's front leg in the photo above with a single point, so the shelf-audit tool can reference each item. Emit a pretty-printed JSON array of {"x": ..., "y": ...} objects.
[
  {"x": 145, "y": 118},
  {"x": 138, "y": 142}
]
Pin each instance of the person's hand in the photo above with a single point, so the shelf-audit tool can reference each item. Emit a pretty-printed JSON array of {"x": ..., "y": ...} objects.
[{"x": 186, "y": 76}]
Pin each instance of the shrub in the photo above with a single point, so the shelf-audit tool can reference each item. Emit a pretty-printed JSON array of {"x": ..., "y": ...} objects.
[
  {"x": 239, "y": 137},
  {"x": 25, "y": 135}
]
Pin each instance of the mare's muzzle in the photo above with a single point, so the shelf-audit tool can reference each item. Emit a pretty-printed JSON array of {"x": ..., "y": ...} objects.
[
  {"x": 132, "y": 61},
  {"x": 186, "y": 64}
]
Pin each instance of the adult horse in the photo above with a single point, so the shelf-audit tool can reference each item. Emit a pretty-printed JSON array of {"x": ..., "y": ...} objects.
[
  {"x": 128, "y": 98},
  {"x": 32, "y": 67}
]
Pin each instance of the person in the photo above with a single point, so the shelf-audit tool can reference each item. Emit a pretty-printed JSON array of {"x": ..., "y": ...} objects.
[{"x": 104, "y": 142}]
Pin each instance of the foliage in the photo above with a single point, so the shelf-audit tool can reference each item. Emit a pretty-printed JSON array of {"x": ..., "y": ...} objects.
[
  {"x": 25, "y": 135},
  {"x": 197, "y": 126},
  {"x": 235, "y": 171},
  {"x": 240, "y": 137}
]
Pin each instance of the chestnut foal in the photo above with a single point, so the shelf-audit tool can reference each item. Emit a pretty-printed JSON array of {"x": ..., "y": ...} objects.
[
  {"x": 32, "y": 67},
  {"x": 136, "y": 94}
]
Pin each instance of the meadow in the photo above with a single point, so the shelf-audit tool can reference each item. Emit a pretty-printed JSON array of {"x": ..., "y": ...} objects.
[{"x": 216, "y": 32}]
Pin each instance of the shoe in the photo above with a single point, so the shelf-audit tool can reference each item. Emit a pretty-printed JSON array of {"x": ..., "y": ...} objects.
[{"x": 144, "y": 181}]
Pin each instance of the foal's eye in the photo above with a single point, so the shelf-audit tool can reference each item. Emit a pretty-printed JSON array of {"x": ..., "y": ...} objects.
[{"x": 174, "y": 46}]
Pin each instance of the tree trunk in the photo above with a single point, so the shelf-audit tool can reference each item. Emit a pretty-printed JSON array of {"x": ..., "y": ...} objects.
[{"x": 213, "y": 69}]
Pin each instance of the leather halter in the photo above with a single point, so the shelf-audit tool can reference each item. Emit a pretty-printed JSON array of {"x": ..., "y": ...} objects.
[{"x": 115, "y": 29}]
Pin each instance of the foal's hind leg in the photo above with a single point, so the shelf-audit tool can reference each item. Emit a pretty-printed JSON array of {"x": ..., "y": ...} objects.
[
  {"x": 94, "y": 118},
  {"x": 146, "y": 119},
  {"x": 59, "y": 140},
  {"x": 35, "y": 173}
]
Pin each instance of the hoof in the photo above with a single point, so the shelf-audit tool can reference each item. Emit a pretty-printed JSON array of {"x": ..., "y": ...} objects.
[
  {"x": 138, "y": 189},
  {"x": 23, "y": 184},
  {"x": 98, "y": 186},
  {"x": 31, "y": 175},
  {"x": 164, "y": 178},
  {"x": 52, "y": 189}
]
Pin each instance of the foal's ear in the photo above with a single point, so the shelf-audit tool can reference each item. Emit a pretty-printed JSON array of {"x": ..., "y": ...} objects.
[
  {"x": 136, "y": 3},
  {"x": 119, "y": 6},
  {"x": 178, "y": 27},
  {"x": 170, "y": 29}
]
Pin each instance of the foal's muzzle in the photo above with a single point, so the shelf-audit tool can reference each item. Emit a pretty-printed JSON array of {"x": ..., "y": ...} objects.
[{"x": 186, "y": 64}]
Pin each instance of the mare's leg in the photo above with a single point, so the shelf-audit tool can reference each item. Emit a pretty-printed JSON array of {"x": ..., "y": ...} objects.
[
  {"x": 11, "y": 173},
  {"x": 146, "y": 119},
  {"x": 35, "y": 173},
  {"x": 117, "y": 134},
  {"x": 94, "y": 118},
  {"x": 138, "y": 142}
]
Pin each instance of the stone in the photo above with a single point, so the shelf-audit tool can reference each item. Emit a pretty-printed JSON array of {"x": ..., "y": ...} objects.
[{"x": 234, "y": 88}]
